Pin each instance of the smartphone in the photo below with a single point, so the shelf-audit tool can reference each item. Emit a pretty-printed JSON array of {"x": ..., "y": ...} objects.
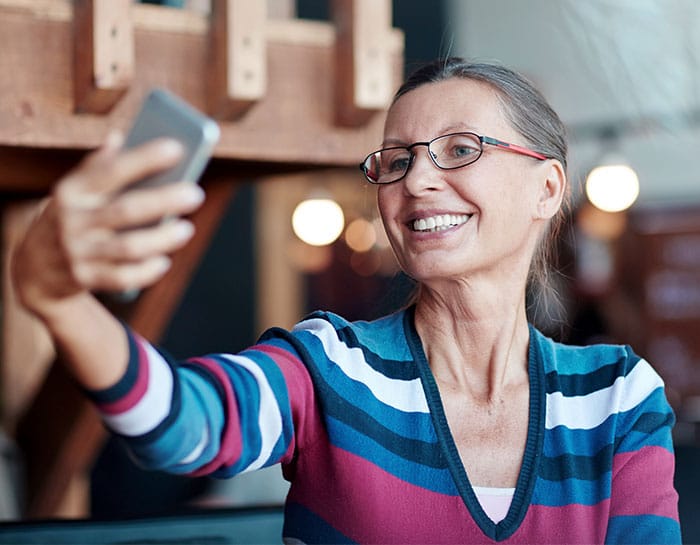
[{"x": 163, "y": 114}]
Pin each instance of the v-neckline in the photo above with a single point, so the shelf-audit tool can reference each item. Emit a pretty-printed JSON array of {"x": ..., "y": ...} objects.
[{"x": 533, "y": 446}]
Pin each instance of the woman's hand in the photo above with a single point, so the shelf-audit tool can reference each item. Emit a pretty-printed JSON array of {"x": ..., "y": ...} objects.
[{"x": 92, "y": 235}]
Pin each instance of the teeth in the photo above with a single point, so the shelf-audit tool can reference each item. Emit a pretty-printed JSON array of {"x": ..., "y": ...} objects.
[{"x": 439, "y": 223}]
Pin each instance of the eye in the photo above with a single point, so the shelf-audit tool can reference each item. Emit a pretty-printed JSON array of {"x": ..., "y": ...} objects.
[
  {"x": 395, "y": 160},
  {"x": 461, "y": 151},
  {"x": 456, "y": 150},
  {"x": 399, "y": 164}
]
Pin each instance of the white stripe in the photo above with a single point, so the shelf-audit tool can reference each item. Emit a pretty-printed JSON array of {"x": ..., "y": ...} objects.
[
  {"x": 155, "y": 404},
  {"x": 591, "y": 410},
  {"x": 198, "y": 449},
  {"x": 404, "y": 395},
  {"x": 269, "y": 418}
]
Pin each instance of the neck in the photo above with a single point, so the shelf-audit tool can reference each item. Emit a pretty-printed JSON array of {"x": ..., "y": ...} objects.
[{"x": 475, "y": 337}]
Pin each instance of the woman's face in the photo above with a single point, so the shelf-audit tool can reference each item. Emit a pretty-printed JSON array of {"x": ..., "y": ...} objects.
[{"x": 498, "y": 195}]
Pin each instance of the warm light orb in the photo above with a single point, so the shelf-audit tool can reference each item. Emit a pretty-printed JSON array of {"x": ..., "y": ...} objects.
[
  {"x": 318, "y": 222},
  {"x": 360, "y": 235},
  {"x": 612, "y": 188}
]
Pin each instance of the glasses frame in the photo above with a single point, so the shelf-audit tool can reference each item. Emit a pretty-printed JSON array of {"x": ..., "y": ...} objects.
[{"x": 515, "y": 148}]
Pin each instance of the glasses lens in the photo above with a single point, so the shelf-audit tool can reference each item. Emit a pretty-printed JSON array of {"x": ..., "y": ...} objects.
[
  {"x": 387, "y": 165},
  {"x": 455, "y": 150}
]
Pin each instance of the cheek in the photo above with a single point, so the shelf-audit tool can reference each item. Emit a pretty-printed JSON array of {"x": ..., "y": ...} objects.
[{"x": 386, "y": 203}]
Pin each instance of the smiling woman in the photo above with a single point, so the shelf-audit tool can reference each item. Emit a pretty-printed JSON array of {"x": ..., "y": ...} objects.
[{"x": 464, "y": 421}]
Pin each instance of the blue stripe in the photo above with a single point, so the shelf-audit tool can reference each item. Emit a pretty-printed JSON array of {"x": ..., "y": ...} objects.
[
  {"x": 628, "y": 431},
  {"x": 390, "y": 344},
  {"x": 563, "y": 440},
  {"x": 167, "y": 444},
  {"x": 411, "y": 471},
  {"x": 642, "y": 529},
  {"x": 560, "y": 493},
  {"x": 582, "y": 360}
]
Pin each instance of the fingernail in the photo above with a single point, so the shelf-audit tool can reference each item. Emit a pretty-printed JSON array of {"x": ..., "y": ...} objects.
[
  {"x": 184, "y": 230},
  {"x": 162, "y": 263},
  {"x": 114, "y": 139},
  {"x": 171, "y": 147},
  {"x": 194, "y": 194}
]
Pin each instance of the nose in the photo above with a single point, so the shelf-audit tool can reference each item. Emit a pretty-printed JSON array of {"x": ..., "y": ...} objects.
[{"x": 423, "y": 175}]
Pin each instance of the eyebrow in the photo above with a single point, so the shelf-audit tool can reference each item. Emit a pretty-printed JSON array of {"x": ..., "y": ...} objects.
[{"x": 446, "y": 130}]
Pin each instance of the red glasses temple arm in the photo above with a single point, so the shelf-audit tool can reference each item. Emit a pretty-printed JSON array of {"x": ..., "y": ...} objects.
[{"x": 513, "y": 147}]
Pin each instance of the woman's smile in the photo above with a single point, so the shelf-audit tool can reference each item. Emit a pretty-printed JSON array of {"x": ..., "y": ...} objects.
[{"x": 438, "y": 222}]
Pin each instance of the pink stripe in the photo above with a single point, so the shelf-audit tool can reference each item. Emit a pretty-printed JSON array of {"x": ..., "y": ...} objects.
[
  {"x": 230, "y": 448},
  {"x": 137, "y": 392},
  {"x": 643, "y": 483},
  {"x": 362, "y": 501},
  {"x": 369, "y": 505},
  {"x": 573, "y": 523},
  {"x": 302, "y": 396}
]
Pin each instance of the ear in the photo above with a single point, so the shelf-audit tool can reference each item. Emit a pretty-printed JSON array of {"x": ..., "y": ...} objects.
[{"x": 552, "y": 190}]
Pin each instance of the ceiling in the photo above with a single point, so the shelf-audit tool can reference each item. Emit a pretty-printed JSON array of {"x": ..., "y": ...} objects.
[{"x": 630, "y": 68}]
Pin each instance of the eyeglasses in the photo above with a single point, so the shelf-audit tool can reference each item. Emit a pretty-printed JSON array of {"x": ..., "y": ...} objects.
[{"x": 447, "y": 152}]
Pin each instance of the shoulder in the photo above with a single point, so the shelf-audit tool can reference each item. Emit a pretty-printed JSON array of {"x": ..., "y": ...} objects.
[
  {"x": 324, "y": 337},
  {"x": 383, "y": 337},
  {"x": 606, "y": 372}
]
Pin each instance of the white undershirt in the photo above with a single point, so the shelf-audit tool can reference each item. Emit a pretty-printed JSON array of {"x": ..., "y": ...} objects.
[{"x": 494, "y": 501}]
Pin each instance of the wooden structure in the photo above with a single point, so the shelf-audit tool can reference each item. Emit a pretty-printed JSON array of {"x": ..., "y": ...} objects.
[{"x": 290, "y": 95}]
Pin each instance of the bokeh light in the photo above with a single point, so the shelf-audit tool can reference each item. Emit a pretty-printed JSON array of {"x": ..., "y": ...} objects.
[{"x": 318, "y": 222}]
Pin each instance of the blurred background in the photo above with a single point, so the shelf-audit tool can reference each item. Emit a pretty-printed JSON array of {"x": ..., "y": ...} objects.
[{"x": 624, "y": 75}]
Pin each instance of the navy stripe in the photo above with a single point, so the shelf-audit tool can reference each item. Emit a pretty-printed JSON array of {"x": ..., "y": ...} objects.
[
  {"x": 126, "y": 382},
  {"x": 653, "y": 422},
  {"x": 572, "y": 466},
  {"x": 584, "y": 384}
]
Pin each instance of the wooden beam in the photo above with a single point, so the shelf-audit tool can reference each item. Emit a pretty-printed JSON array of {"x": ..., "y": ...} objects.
[
  {"x": 238, "y": 71},
  {"x": 294, "y": 122},
  {"x": 363, "y": 67},
  {"x": 103, "y": 53}
]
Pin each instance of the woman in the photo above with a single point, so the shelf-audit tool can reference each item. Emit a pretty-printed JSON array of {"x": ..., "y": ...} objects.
[{"x": 453, "y": 420}]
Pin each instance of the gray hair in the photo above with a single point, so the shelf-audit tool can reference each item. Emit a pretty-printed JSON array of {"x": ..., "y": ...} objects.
[{"x": 531, "y": 115}]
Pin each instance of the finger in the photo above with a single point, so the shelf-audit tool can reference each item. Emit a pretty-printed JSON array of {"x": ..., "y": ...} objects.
[
  {"x": 108, "y": 170},
  {"x": 133, "y": 245},
  {"x": 147, "y": 206},
  {"x": 104, "y": 276}
]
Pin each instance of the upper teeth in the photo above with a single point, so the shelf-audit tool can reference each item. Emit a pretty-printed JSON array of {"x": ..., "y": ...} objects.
[{"x": 438, "y": 223}]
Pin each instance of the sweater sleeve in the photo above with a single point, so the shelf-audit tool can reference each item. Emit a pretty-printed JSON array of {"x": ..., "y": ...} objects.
[
  {"x": 644, "y": 502},
  {"x": 221, "y": 414}
]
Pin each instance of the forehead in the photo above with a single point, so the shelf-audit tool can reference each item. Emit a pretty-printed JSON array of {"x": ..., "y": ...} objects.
[{"x": 446, "y": 106}]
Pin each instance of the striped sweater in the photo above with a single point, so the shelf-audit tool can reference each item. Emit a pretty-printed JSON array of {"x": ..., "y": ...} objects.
[{"x": 353, "y": 414}]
